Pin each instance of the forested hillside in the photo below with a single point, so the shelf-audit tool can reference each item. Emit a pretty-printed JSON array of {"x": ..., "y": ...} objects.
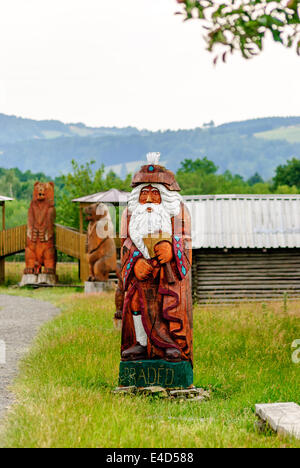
[
  {"x": 241, "y": 147},
  {"x": 196, "y": 177}
]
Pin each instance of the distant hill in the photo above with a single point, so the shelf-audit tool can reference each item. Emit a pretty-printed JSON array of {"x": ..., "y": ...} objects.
[{"x": 246, "y": 147}]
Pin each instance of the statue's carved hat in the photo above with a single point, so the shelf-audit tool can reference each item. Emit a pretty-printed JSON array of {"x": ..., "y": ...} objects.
[{"x": 153, "y": 173}]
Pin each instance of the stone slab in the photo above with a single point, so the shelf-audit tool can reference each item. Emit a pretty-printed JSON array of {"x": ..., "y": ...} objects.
[
  {"x": 151, "y": 373},
  {"x": 92, "y": 287},
  {"x": 283, "y": 418},
  {"x": 28, "y": 280},
  {"x": 197, "y": 395},
  {"x": 44, "y": 278}
]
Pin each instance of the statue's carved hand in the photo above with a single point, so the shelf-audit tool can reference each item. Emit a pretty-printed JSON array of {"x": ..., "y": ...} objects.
[
  {"x": 164, "y": 252},
  {"x": 142, "y": 269}
]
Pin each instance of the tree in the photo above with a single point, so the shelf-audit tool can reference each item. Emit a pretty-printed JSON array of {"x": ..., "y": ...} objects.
[
  {"x": 255, "y": 179},
  {"x": 242, "y": 25},
  {"x": 81, "y": 182},
  {"x": 198, "y": 165},
  {"x": 288, "y": 174}
]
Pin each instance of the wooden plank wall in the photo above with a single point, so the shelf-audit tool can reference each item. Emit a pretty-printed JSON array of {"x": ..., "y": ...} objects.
[
  {"x": 240, "y": 275},
  {"x": 73, "y": 243},
  {"x": 68, "y": 240},
  {"x": 13, "y": 240}
]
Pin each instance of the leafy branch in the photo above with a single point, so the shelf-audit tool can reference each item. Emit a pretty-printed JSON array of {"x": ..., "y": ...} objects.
[{"x": 242, "y": 25}]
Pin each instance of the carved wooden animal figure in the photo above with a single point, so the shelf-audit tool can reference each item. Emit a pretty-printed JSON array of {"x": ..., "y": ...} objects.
[
  {"x": 40, "y": 249},
  {"x": 101, "y": 249}
]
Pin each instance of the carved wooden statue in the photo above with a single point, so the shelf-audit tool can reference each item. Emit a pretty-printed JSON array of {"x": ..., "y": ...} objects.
[
  {"x": 40, "y": 249},
  {"x": 101, "y": 249},
  {"x": 157, "y": 345}
]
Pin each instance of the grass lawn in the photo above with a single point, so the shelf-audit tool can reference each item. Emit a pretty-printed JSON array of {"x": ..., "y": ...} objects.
[
  {"x": 243, "y": 353},
  {"x": 67, "y": 272}
]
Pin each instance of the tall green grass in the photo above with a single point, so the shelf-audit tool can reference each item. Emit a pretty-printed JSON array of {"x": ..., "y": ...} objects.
[
  {"x": 64, "y": 390},
  {"x": 67, "y": 272}
]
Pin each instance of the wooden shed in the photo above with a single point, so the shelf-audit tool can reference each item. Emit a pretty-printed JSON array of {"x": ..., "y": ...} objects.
[{"x": 245, "y": 247}]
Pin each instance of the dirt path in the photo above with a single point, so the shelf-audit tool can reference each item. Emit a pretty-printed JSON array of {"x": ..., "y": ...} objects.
[{"x": 20, "y": 318}]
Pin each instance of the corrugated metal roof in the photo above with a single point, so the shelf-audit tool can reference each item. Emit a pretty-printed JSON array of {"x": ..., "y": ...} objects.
[
  {"x": 2, "y": 198},
  {"x": 245, "y": 221},
  {"x": 110, "y": 196}
]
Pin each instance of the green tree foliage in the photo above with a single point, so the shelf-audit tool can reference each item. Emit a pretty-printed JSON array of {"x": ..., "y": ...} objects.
[
  {"x": 242, "y": 25},
  {"x": 196, "y": 177},
  {"x": 199, "y": 165},
  {"x": 17, "y": 184},
  {"x": 288, "y": 174},
  {"x": 16, "y": 213},
  {"x": 255, "y": 179},
  {"x": 81, "y": 182},
  {"x": 200, "y": 177}
]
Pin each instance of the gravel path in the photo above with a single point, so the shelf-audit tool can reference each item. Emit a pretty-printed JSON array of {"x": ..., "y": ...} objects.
[{"x": 20, "y": 318}]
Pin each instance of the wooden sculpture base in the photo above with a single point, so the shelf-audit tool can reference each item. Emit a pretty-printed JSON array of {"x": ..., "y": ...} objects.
[
  {"x": 92, "y": 287},
  {"x": 156, "y": 373},
  {"x": 40, "y": 280}
]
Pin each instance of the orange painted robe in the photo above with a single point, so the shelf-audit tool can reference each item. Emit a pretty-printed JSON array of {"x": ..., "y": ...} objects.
[{"x": 166, "y": 309}]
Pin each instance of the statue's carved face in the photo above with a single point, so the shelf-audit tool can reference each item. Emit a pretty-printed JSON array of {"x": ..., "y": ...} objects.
[
  {"x": 43, "y": 191},
  {"x": 150, "y": 194},
  {"x": 90, "y": 212},
  {"x": 95, "y": 212}
]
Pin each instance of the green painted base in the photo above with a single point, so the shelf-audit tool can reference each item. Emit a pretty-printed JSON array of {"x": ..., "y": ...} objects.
[{"x": 156, "y": 373}]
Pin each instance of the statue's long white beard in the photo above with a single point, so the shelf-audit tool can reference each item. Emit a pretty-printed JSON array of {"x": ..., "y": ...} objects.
[{"x": 143, "y": 223}]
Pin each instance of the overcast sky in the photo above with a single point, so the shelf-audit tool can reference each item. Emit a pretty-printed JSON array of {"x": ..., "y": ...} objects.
[{"x": 131, "y": 62}]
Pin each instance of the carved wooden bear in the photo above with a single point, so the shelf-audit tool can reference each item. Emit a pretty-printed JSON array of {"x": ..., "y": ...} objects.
[
  {"x": 101, "y": 249},
  {"x": 40, "y": 250}
]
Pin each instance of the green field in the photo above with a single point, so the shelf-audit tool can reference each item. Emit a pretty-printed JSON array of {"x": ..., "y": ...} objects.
[
  {"x": 290, "y": 134},
  {"x": 64, "y": 390},
  {"x": 67, "y": 272}
]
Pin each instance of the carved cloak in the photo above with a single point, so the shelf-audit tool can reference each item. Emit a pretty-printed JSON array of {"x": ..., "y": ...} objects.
[{"x": 166, "y": 309}]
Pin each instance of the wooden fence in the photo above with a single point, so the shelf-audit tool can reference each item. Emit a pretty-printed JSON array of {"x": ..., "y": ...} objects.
[
  {"x": 13, "y": 240},
  {"x": 73, "y": 243},
  {"x": 68, "y": 241}
]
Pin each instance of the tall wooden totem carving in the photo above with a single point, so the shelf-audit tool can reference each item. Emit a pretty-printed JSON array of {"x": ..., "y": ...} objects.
[
  {"x": 157, "y": 330},
  {"x": 40, "y": 253}
]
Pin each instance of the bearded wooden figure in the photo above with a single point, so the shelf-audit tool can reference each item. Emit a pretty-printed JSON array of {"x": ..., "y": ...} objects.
[
  {"x": 156, "y": 259},
  {"x": 40, "y": 248}
]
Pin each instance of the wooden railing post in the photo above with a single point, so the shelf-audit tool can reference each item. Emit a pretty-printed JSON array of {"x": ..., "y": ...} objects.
[
  {"x": 84, "y": 267},
  {"x": 2, "y": 270}
]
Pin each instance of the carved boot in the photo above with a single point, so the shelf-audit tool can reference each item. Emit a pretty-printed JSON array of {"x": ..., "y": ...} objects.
[
  {"x": 135, "y": 353},
  {"x": 172, "y": 355}
]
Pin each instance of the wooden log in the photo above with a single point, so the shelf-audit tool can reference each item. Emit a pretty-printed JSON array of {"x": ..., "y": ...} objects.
[
  {"x": 238, "y": 281},
  {"x": 242, "y": 268},
  {"x": 250, "y": 275},
  {"x": 234, "y": 293},
  {"x": 256, "y": 286},
  {"x": 283, "y": 254},
  {"x": 243, "y": 301}
]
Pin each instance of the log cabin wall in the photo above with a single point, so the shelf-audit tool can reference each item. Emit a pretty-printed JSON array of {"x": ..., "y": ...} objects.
[{"x": 240, "y": 275}]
